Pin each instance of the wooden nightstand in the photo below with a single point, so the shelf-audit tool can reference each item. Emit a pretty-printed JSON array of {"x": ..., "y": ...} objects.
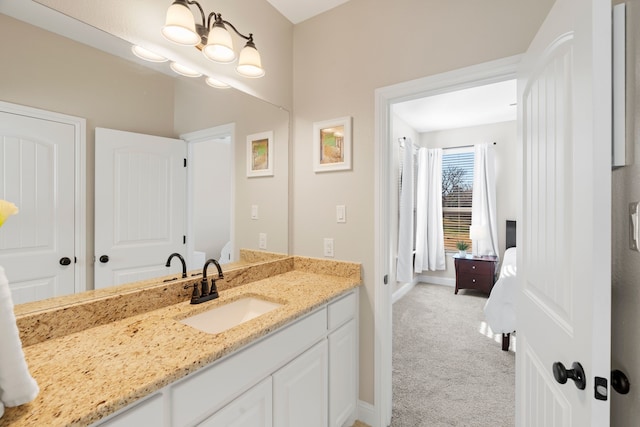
[{"x": 473, "y": 272}]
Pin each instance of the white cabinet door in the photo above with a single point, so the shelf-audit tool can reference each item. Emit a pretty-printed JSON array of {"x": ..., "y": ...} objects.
[
  {"x": 300, "y": 390},
  {"x": 251, "y": 409},
  {"x": 342, "y": 375}
]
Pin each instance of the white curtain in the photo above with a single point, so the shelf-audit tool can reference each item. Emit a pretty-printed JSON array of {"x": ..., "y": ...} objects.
[
  {"x": 404, "y": 266},
  {"x": 483, "y": 211},
  {"x": 429, "y": 230}
]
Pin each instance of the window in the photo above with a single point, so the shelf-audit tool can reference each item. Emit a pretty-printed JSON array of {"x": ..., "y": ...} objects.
[{"x": 457, "y": 188}]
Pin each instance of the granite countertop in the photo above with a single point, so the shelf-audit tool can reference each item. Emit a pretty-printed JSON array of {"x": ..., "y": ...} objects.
[{"x": 90, "y": 373}]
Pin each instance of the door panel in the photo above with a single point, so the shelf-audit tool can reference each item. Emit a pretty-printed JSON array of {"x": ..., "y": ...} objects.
[
  {"x": 37, "y": 157},
  {"x": 140, "y": 205},
  {"x": 564, "y": 234}
]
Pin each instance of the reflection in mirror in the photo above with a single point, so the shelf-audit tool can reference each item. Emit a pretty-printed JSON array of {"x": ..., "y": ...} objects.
[{"x": 63, "y": 76}]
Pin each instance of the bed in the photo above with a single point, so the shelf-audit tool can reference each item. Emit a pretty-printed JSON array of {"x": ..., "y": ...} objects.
[{"x": 500, "y": 307}]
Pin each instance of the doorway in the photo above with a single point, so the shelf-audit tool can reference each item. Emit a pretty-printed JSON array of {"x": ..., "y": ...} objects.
[
  {"x": 210, "y": 194},
  {"x": 479, "y": 75}
]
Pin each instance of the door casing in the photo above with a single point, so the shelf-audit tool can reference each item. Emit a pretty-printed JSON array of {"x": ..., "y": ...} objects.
[{"x": 464, "y": 78}]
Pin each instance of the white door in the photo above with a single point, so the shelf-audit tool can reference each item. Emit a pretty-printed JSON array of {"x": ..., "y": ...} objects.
[
  {"x": 37, "y": 157},
  {"x": 564, "y": 237},
  {"x": 140, "y": 204}
]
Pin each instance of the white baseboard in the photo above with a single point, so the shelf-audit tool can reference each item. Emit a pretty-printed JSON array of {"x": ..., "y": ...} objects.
[
  {"x": 367, "y": 413},
  {"x": 436, "y": 280},
  {"x": 402, "y": 291}
]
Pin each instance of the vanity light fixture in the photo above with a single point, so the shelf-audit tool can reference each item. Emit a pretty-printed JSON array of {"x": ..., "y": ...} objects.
[
  {"x": 184, "y": 70},
  {"x": 212, "y": 38},
  {"x": 216, "y": 83},
  {"x": 147, "y": 55}
]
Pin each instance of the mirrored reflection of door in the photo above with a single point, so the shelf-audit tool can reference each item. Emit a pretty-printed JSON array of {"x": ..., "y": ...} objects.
[
  {"x": 37, "y": 246},
  {"x": 139, "y": 207}
]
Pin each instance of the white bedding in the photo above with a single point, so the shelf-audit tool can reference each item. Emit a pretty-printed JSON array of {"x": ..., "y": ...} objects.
[{"x": 500, "y": 307}]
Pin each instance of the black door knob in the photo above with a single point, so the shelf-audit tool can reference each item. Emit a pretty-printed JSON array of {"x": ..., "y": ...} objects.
[
  {"x": 65, "y": 261},
  {"x": 561, "y": 374},
  {"x": 620, "y": 382},
  {"x": 104, "y": 259}
]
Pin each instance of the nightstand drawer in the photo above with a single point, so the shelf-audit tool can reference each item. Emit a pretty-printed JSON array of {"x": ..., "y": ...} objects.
[
  {"x": 477, "y": 267},
  {"x": 475, "y": 282}
]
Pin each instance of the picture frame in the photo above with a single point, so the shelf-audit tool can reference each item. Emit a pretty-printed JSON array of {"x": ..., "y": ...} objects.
[
  {"x": 332, "y": 145},
  {"x": 260, "y": 154}
]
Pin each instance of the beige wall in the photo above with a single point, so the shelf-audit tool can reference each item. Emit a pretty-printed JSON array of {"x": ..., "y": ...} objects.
[
  {"x": 340, "y": 58},
  {"x": 197, "y": 109},
  {"x": 625, "y": 268}
]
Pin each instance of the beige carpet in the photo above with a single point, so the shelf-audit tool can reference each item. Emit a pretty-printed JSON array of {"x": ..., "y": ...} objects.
[{"x": 447, "y": 371}]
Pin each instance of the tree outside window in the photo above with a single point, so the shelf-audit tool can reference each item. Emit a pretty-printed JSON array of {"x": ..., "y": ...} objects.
[{"x": 457, "y": 191}]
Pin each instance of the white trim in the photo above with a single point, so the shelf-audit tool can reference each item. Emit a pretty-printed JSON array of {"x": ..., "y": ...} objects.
[
  {"x": 402, "y": 291},
  {"x": 437, "y": 280},
  {"x": 226, "y": 130},
  {"x": 80, "y": 210},
  {"x": 476, "y": 75},
  {"x": 367, "y": 413}
]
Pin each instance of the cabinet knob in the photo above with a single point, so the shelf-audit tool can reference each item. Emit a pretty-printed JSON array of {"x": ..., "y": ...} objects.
[{"x": 473, "y": 266}]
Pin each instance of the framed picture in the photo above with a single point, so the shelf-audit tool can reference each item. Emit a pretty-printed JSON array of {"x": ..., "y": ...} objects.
[
  {"x": 332, "y": 145},
  {"x": 260, "y": 154}
]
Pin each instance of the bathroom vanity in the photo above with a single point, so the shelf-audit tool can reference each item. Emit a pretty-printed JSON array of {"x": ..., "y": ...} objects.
[{"x": 293, "y": 365}]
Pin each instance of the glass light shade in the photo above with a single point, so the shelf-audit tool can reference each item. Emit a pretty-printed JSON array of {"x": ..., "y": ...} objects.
[
  {"x": 179, "y": 26},
  {"x": 147, "y": 55},
  {"x": 219, "y": 46},
  {"x": 184, "y": 70},
  {"x": 216, "y": 83},
  {"x": 249, "y": 63}
]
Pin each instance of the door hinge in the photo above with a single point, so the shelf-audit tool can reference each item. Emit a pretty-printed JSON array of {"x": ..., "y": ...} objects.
[
  {"x": 600, "y": 388},
  {"x": 185, "y": 163}
]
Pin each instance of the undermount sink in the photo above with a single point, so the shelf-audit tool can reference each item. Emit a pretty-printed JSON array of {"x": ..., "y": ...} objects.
[{"x": 226, "y": 316}]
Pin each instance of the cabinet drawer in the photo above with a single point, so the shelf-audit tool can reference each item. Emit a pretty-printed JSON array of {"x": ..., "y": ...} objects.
[
  {"x": 476, "y": 267},
  {"x": 342, "y": 310}
]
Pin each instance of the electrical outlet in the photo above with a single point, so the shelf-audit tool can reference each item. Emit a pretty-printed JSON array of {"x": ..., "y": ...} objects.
[
  {"x": 254, "y": 211},
  {"x": 328, "y": 247},
  {"x": 262, "y": 241}
]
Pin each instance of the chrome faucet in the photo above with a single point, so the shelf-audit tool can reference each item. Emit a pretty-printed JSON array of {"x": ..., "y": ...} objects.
[
  {"x": 205, "y": 293},
  {"x": 184, "y": 265}
]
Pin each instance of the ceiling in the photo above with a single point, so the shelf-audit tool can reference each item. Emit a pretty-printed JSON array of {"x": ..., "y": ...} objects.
[
  {"x": 492, "y": 103},
  {"x": 297, "y": 11}
]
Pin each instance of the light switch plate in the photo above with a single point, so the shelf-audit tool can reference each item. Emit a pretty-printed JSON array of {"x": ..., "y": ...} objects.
[
  {"x": 254, "y": 211},
  {"x": 341, "y": 213}
]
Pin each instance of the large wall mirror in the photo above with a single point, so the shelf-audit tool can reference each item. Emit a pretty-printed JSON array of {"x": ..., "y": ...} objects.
[{"x": 49, "y": 72}]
